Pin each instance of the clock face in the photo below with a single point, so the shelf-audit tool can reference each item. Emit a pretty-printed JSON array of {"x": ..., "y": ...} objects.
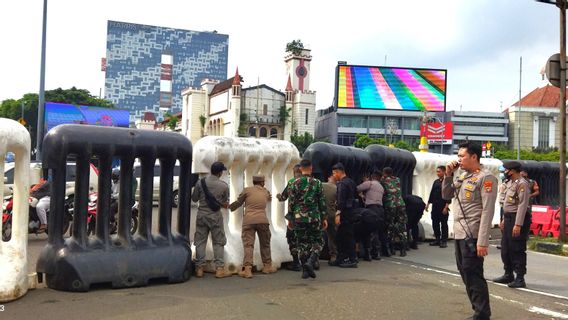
[{"x": 301, "y": 71}]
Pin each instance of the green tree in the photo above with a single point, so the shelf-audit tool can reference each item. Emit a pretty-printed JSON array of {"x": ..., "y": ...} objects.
[
  {"x": 202, "y": 121},
  {"x": 172, "y": 121},
  {"x": 284, "y": 114},
  {"x": 363, "y": 140},
  {"x": 302, "y": 142},
  {"x": 296, "y": 47}
]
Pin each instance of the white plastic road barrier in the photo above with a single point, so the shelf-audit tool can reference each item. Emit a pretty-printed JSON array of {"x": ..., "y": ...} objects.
[
  {"x": 13, "y": 253},
  {"x": 245, "y": 157},
  {"x": 424, "y": 176}
]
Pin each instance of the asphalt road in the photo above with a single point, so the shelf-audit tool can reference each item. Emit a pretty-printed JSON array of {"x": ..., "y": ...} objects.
[{"x": 423, "y": 285}]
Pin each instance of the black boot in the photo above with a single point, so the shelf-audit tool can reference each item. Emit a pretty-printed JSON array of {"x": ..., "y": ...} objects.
[
  {"x": 305, "y": 273},
  {"x": 413, "y": 245},
  {"x": 435, "y": 242},
  {"x": 519, "y": 282},
  {"x": 308, "y": 267},
  {"x": 506, "y": 278},
  {"x": 443, "y": 244},
  {"x": 403, "y": 251},
  {"x": 317, "y": 264},
  {"x": 294, "y": 265},
  {"x": 367, "y": 254}
]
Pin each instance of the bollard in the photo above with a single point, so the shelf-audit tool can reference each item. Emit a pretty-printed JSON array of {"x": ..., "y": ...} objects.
[
  {"x": 122, "y": 260},
  {"x": 245, "y": 157},
  {"x": 13, "y": 253}
]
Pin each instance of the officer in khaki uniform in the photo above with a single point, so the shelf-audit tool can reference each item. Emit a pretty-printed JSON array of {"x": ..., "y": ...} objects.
[
  {"x": 255, "y": 199},
  {"x": 515, "y": 225},
  {"x": 211, "y": 221},
  {"x": 330, "y": 193},
  {"x": 476, "y": 192}
]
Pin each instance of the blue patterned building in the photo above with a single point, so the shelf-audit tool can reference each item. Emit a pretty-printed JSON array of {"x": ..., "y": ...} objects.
[{"x": 147, "y": 67}]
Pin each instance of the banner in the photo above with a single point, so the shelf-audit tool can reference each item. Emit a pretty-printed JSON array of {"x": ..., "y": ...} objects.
[{"x": 438, "y": 132}]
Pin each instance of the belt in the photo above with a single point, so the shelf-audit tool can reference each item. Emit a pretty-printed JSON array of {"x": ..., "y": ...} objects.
[
  {"x": 513, "y": 213},
  {"x": 374, "y": 204}
]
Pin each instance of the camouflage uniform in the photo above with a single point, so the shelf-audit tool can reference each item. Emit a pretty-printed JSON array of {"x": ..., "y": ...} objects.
[
  {"x": 290, "y": 238},
  {"x": 395, "y": 209},
  {"x": 307, "y": 205}
]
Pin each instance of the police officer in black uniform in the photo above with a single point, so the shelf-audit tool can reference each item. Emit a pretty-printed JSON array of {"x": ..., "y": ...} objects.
[{"x": 515, "y": 226}]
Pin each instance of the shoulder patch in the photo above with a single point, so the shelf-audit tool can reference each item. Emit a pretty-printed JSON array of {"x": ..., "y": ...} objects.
[{"x": 488, "y": 185}]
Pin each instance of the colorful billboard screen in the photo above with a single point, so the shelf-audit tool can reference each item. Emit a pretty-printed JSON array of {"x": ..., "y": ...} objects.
[
  {"x": 61, "y": 113},
  {"x": 368, "y": 87}
]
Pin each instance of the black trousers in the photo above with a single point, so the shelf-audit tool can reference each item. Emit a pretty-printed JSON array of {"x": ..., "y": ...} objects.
[
  {"x": 471, "y": 271},
  {"x": 345, "y": 239},
  {"x": 379, "y": 238},
  {"x": 514, "y": 250},
  {"x": 440, "y": 226}
]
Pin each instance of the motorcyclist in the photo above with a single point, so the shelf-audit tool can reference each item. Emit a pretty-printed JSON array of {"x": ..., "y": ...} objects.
[
  {"x": 40, "y": 196},
  {"x": 115, "y": 191}
]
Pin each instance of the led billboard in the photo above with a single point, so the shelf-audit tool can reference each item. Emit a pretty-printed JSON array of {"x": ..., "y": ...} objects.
[
  {"x": 60, "y": 113},
  {"x": 371, "y": 87}
]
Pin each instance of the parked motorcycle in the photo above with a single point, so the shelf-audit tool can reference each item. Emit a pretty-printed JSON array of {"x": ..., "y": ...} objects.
[
  {"x": 33, "y": 222},
  {"x": 113, "y": 227}
]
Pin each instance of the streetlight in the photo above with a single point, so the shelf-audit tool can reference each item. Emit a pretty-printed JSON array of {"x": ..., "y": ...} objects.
[
  {"x": 41, "y": 101},
  {"x": 562, "y": 4}
]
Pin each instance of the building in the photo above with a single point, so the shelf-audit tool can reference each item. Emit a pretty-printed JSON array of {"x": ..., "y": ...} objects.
[
  {"x": 480, "y": 127},
  {"x": 537, "y": 114},
  {"x": 225, "y": 108},
  {"x": 147, "y": 67}
]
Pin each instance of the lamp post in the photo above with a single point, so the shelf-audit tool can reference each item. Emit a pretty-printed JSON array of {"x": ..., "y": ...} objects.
[
  {"x": 41, "y": 102},
  {"x": 562, "y": 4}
]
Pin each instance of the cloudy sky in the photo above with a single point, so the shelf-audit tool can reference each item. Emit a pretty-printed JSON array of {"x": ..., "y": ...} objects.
[{"x": 479, "y": 42}]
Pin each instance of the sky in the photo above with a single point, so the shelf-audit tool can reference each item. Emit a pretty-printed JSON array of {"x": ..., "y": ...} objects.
[{"x": 479, "y": 42}]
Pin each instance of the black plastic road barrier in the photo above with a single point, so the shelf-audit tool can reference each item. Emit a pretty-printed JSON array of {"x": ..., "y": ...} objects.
[
  {"x": 546, "y": 174},
  {"x": 401, "y": 161},
  {"x": 122, "y": 260},
  {"x": 324, "y": 156}
]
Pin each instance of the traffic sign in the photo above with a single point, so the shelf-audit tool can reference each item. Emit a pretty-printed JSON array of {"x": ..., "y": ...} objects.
[{"x": 552, "y": 70}]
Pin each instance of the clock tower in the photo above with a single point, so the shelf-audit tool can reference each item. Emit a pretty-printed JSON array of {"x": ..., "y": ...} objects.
[{"x": 298, "y": 69}]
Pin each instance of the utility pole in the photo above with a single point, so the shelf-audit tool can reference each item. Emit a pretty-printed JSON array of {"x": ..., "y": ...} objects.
[
  {"x": 562, "y": 181},
  {"x": 41, "y": 102},
  {"x": 519, "y": 110}
]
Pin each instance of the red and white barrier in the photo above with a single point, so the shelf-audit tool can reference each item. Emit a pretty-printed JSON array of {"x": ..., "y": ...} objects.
[{"x": 13, "y": 253}]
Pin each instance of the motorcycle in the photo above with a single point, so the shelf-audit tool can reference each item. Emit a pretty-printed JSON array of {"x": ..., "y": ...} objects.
[
  {"x": 33, "y": 222},
  {"x": 113, "y": 227}
]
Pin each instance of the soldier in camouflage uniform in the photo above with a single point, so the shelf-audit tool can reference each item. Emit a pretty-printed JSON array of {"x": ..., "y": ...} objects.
[
  {"x": 292, "y": 243},
  {"x": 307, "y": 204},
  {"x": 395, "y": 209}
]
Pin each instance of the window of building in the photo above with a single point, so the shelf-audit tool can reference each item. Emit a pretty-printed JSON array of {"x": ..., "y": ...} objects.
[
  {"x": 412, "y": 123},
  {"x": 352, "y": 121},
  {"x": 263, "y": 132},
  {"x": 376, "y": 122},
  {"x": 307, "y": 111},
  {"x": 265, "y": 109},
  {"x": 345, "y": 139},
  {"x": 252, "y": 132},
  {"x": 273, "y": 133},
  {"x": 543, "y": 132}
]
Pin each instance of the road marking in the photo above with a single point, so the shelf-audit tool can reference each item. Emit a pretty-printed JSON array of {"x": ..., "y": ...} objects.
[
  {"x": 546, "y": 294},
  {"x": 547, "y": 312}
]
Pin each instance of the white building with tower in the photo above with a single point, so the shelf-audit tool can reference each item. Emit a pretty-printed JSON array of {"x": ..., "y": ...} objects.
[{"x": 227, "y": 109}]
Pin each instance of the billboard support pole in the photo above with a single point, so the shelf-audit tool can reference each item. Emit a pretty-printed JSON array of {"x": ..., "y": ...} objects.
[{"x": 423, "y": 147}]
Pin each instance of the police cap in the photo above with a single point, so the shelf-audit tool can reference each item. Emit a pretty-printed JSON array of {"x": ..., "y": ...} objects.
[{"x": 512, "y": 165}]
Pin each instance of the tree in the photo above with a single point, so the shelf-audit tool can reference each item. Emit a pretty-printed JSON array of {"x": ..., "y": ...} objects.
[
  {"x": 243, "y": 125},
  {"x": 172, "y": 121},
  {"x": 296, "y": 47},
  {"x": 12, "y": 108},
  {"x": 302, "y": 142},
  {"x": 363, "y": 140},
  {"x": 202, "y": 121},
  {"x": 284, "y": 114}
]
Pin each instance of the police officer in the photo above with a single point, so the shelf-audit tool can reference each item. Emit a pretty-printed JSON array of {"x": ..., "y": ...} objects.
[
  {"x": 330, "y": 193},
  {"x": 255, "y": 199},
  {"x": 212, "y": 194},
  {"x": 476, "y": 192},
  {"x": 307, "y": 204},
  {"x": 515, "y": 226}
]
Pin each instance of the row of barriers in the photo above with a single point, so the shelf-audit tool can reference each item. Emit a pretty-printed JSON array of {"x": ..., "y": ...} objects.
[
  {"x": 125, "y": 260},
  {"x": 546, "y": 221}
]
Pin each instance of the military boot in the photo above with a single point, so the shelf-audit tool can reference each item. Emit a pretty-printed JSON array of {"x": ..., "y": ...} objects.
[
  {"x": 246, "y": 273},
  {"x": 436, "y": 242},
  {"x": 199, "y": 272},
  {"x": 403, "y": 251},
  {"x": 308, "y": 266},
  {"x": 506, "y": 278},
  {"x": 222, "y": 273},
  {"x": 317, "y": 264},
  {"x": 294, "y": 265},
  {"x": 413, "y": 245},
  {"x": 519, "y": 282},
  {"x": 268, "y": 268},
  {"x": 443, "y": 244}
]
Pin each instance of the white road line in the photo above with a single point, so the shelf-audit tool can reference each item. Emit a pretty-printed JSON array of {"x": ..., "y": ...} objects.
[
  {"x": 546, "y": 294},
  {"x": 547, "y": 312}
]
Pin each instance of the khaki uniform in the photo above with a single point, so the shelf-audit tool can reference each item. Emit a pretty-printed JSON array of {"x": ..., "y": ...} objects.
[
  {"x": 516, "y": 212},
  {"x": 476, "y": 194},
  {"x": 255, "y": 199},
  {"x": 330, "y": 193},
  {"x": 209, "y": 221}
]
